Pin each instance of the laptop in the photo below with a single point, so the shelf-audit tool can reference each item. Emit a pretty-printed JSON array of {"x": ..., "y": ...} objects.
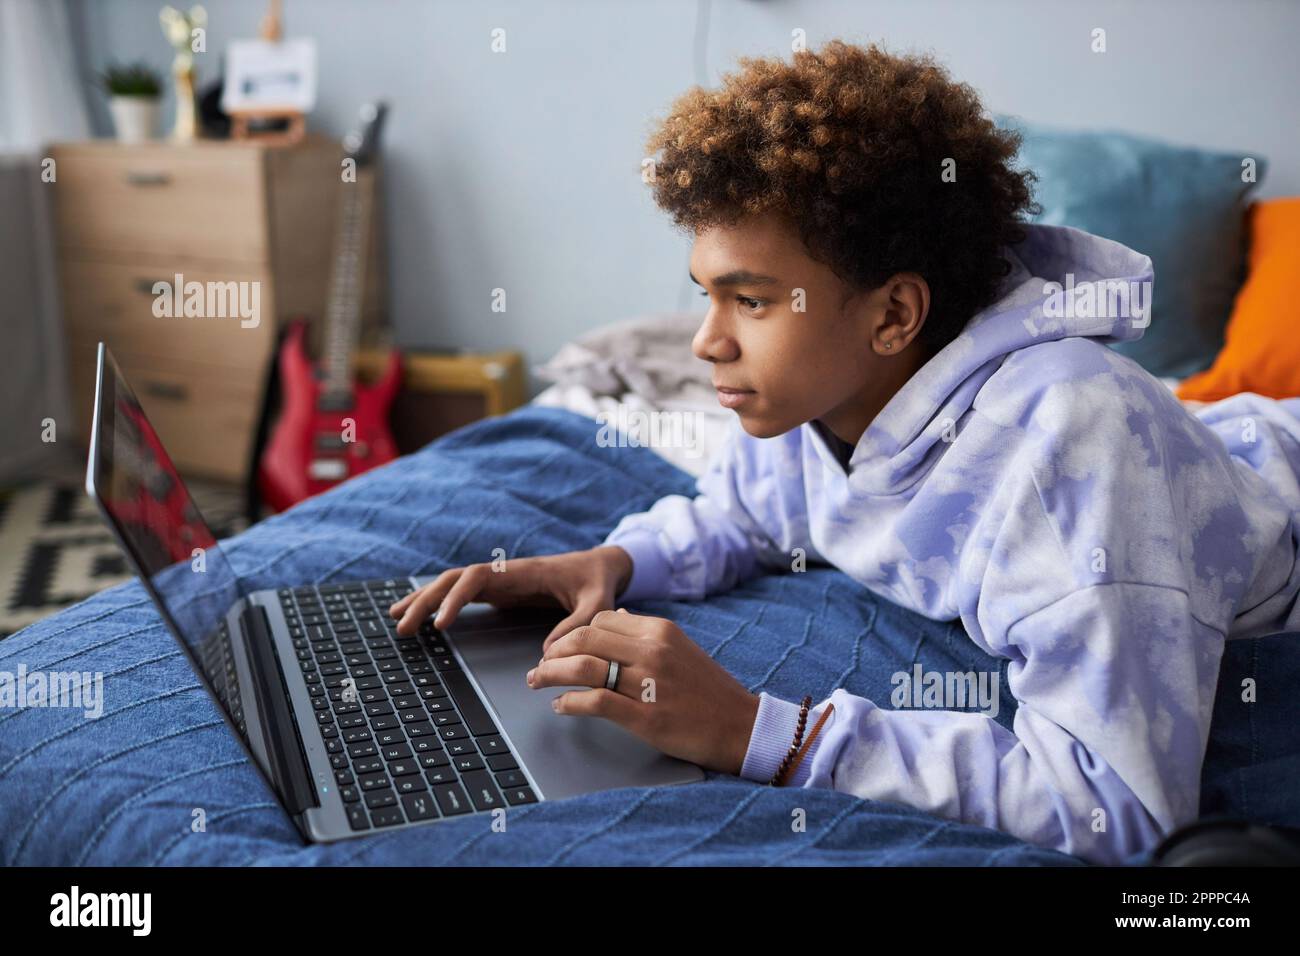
[{"x": 355, "y": 728}]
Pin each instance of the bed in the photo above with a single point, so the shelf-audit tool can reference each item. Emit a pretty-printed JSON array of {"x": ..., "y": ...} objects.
[{"x": 158, "y": 780}]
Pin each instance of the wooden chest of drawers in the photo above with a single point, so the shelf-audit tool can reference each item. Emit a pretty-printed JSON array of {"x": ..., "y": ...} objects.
[{"x": 222, "y": 213}]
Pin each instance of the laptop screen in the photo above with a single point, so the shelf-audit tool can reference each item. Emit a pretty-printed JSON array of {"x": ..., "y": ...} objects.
[{"x": 151, "y": 509}]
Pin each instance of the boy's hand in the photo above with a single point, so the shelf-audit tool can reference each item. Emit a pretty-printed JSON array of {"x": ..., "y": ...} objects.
[
  {"x": 582, "y": 582},
  {"x": 669, "y": 692}
]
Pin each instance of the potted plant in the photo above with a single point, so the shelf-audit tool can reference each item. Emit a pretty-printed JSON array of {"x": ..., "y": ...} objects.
[{"x": 133, "y": 93}]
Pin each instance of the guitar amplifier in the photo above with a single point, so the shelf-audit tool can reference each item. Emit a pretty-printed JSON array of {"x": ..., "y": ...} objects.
[{"x": 440, "y": 391}]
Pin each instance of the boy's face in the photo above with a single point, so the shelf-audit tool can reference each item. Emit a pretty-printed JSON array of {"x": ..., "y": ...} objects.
[{"x": 785, "y": 328}]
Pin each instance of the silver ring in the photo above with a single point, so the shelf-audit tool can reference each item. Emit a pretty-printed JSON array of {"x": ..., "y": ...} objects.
[{"x": 611, "y": 679}]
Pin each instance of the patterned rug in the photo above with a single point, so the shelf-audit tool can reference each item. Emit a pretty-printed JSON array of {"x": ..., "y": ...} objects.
[{"x": 55, "y": 549}]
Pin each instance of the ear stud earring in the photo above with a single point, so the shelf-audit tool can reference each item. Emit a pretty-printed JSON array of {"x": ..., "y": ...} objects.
[{"x": 889, "y": 345}]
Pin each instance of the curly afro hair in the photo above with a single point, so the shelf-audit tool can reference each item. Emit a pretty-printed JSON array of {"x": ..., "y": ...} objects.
[{"x": 850, "y": 145}]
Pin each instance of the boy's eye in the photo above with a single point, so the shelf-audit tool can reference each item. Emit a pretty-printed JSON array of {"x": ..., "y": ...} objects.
[{"x": 744, "y": 300}]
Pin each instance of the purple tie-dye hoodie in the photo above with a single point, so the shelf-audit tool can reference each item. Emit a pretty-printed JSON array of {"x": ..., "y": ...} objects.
[{"x": 1066, "y": 507}]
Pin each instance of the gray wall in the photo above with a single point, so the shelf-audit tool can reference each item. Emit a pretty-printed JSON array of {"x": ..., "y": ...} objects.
[{"x": 521, "y": 170}]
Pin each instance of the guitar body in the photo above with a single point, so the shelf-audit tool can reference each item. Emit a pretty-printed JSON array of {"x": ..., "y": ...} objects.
[
  {"x": 316, "y": 444},
  {"x": 331, "y": 428}
]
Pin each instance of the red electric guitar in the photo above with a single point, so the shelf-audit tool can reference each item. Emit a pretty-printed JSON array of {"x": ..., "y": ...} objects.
[{"x": 332, "y": 428}]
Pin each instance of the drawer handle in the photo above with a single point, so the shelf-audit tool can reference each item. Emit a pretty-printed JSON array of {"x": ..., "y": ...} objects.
[
  {"x": 173, "y": 393},
  {"x": 148, "y": 179}
]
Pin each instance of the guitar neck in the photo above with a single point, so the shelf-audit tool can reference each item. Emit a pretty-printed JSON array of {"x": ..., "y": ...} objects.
[{"x": 347, "y": 282}]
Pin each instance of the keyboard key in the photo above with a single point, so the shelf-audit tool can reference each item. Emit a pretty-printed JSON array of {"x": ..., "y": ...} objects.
[
  {"x": 465, "y": 764},
  {"x": 373, "y": 781},
  {"x": 511, "y": 779},
  {"x": 501, "y": 762},
  {"x": 419, "y": 806},
  {"x": 407, "y": 785},
  {"x": 396, "y": 752},
  {"x": 380, "y": 798},
  {"x": 518, "y": 796},
  {"x": 451, "y": 799},
  {"x": 388, "y": 817},
  {"x": 437, "y": 758},
  {"x": 357, "y": 817},
  {"x": 490, "y": 746},
  {"x": 482, "y": 791},
  {"x": 440, "y": 775},
  {"x": 468, "y": 703},
  {"x": 461, "y": 748},
  {"x": 368, "y": 765}
]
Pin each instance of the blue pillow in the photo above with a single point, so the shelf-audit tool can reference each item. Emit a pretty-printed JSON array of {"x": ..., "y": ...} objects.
[{"x": 1183, "y": 207}]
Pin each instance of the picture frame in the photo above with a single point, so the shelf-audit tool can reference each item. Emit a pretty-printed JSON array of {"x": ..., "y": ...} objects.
[{"x": 264, "y": 76}]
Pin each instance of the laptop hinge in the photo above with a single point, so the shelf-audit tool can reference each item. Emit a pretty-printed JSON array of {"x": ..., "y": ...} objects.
[{"x": 289, "y": 766}]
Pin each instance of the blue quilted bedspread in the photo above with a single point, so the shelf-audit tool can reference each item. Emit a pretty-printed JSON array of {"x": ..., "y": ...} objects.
[{"x": 122, "y": 789}]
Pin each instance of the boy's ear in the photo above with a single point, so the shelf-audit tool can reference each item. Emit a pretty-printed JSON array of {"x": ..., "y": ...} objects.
[{"x": 906, "y": 309}]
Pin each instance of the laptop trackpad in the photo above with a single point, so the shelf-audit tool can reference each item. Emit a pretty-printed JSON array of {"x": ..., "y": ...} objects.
[{"x": 566, "y": 755}]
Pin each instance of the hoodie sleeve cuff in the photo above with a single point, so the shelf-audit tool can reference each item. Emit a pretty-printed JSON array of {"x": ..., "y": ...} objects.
[
  {"x": 771, "y": 738},
  {"x": 650, "y": 569}
]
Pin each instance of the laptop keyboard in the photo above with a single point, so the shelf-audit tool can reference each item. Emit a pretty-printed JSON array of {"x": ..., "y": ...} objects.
[
  {"x": 408, "y": 736},
  {"x": 219, "y": 665}
]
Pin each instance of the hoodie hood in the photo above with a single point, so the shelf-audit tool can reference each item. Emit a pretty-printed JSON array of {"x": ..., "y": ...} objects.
[{"x": 1064, "y": 283}]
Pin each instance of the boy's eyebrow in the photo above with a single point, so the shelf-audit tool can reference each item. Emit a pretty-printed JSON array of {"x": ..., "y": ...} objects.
[{"x": 739, "y": 277}]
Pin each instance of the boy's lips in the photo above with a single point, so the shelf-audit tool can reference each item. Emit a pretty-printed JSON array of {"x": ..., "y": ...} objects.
[{"x": 731, "y": 397}]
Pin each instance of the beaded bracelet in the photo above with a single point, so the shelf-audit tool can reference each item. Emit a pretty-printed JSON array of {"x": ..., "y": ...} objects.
[
  {"x": 803, "y": 751},
  {"x": 794, "y": 747}
]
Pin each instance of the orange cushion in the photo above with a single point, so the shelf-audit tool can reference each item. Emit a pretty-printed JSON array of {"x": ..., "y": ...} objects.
[{"x": 1261, "y": 351}]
